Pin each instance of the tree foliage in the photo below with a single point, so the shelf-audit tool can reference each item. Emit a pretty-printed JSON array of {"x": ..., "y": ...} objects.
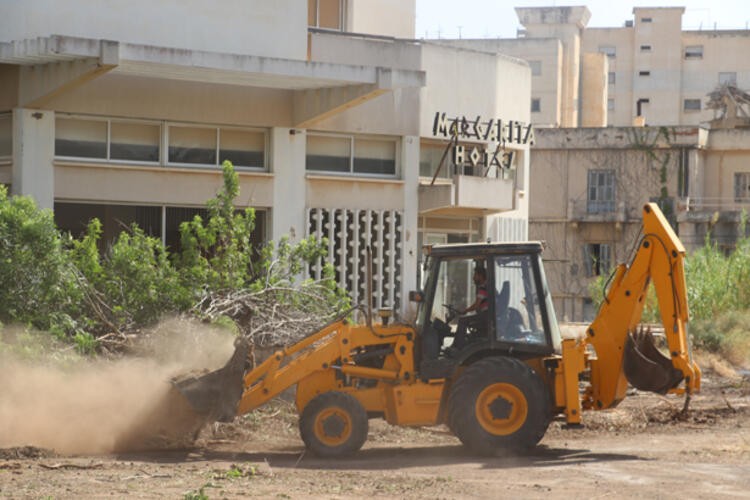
[{"x": 69, "y": 287}]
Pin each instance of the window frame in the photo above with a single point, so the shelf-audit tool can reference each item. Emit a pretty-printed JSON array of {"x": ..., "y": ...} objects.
[
  {"x": 538, "y": 102},
  {"x": 352, "y": 155},
  {"x": 741, "y": 179},
  {"x": 687, "y": 109},
  {"x": 601, "y": 205},
  {"x": 163, "y": 143},
  {"x": 342, "y": 16},
  {"x": 596, "y": 265},
  {"x": 8, "y": 159},
  {"x": 696, "y": 53}
]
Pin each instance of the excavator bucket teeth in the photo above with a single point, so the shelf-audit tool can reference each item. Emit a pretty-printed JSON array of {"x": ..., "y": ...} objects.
[
  {"x": 215, "y": 394},
  {"x": 646, "y": 368}
]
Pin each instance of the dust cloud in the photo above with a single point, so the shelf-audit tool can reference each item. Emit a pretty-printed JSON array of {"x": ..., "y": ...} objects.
[{"x": 102, "y": 406}]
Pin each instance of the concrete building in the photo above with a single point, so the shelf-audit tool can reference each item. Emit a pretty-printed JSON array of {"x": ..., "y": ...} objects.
[
  {"x": 338, "y": 122},
  {"x": 595, "y": 163}
]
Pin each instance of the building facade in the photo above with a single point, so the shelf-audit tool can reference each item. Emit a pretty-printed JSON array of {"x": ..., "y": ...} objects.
[{"x": 338, "y": 122}]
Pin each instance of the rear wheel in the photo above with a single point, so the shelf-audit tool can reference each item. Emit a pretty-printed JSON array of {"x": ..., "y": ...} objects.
[
  {"x": 498, "y": 404},
  {"x": 333, "y": 424}
]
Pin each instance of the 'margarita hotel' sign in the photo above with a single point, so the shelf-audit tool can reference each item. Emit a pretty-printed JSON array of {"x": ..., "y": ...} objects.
[{"x": 500, "y": 134}]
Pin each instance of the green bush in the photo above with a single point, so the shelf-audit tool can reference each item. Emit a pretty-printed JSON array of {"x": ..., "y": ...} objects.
[
  {"x": 68, "y": 288},
  {"x": 39, "y": 285}
]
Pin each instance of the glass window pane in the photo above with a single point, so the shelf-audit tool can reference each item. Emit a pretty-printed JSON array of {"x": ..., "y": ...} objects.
[
  {"x": 192, "y": 145},
  {"x": 330, "y": 14},
  {"x": 6, "y": 136},
  {"x": 244, "y": 148},
  {"x": 331, "y": 154},
  {"x": 517, "y": 311},
  {"x": 429, "y": 160},
  {"x": 80, "y": 138},
  {"x": 134, "y": 142},
  {"x": 373, "y": 156}
]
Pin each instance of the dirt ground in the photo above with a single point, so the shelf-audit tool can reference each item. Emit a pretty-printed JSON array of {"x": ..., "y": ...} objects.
[{"x": 640, "y": 449}]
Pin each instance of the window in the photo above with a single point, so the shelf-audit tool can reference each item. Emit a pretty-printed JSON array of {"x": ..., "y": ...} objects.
[
  {"x": 601, "y": 191},
  {"x": 536, "y": 68},
  {"x": 326, "y": 14},
  {"x": 6, "y": 137},
  {"x": 106, "y": 139},
  {"x": 683, "y": 173},
  {"x": 212, "y": 146},
  {"x": 134, "y": 142},
  {"x": 611, "y": 78},
  {"x": 610, "y": 50},
  {"x": 610, "y": 104},
  {"x": 192, "y": 145},
  {"x": 644, "y": 73},
  {"x": 691, "y": 105},
  {"x": 347, "y": 154},
  {"x": 81, "y": 138},
  {"x": 694, "y": 52},
  {"x": 646, "y": 20},
  {"x": 645, "y": 48},
  {"x": 742, "y": 187},
  {"x": 536, "y": 105},
  {"x": 728, "y": 78},
  {"x": 597, "y": 258}
]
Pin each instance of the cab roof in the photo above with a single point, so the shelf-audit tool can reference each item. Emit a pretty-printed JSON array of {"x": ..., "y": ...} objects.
[{"x": 470, "y": 249}]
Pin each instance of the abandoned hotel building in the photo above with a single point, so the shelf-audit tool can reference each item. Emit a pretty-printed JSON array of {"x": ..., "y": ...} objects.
[{"x": 341, "y": 124}]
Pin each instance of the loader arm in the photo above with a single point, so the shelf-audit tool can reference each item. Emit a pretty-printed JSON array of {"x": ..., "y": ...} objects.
[
  {"x": 330, "y": 349},
  {"x": 659, "y": 259}
]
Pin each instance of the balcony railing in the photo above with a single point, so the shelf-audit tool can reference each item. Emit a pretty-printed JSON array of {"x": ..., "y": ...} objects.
[{"x": 597, "y": 211}]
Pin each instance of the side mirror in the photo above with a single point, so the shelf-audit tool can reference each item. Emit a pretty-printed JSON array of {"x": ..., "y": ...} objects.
[{"x": 416, "y": 296}]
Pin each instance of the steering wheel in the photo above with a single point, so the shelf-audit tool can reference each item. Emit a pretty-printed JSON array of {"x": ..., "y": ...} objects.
[{"x": 452, "y": 313}]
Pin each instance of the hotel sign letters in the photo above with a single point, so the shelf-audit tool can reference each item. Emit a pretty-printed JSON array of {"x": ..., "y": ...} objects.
[{"x": 501, "y": 132}]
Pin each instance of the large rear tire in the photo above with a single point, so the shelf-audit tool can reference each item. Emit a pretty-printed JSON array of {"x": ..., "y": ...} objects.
[
  {"x": 498, "y": 404},
  {"x": 333, "y": 424}
]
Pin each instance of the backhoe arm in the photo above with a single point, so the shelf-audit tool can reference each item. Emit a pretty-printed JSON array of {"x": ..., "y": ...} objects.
[{"x": 658, "y": 260}]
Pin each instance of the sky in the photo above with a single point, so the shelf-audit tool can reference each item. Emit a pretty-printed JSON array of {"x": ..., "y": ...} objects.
[{"x": 498, "y": 19}]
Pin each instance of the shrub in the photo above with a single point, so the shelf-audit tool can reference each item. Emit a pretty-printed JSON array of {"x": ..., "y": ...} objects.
[{"x": 39, "y": 283}]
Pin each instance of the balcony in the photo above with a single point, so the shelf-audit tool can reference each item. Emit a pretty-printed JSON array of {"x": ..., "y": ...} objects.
[
  {"x": 597, "y": 211},
  {"x": 706, "y": 209},
  {"x": 467, "y": 196}
]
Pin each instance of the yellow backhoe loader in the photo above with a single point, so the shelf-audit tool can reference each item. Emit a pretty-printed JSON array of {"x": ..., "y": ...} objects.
[{"x": 501, "y": 384}]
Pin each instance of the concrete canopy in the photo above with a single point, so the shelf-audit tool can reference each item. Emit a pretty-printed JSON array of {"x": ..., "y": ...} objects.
[{"x": 51, "y": 65}]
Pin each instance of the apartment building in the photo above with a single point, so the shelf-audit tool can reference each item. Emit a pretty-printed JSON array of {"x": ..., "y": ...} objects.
[
  {"x": 338, "y": 122},
  {"x": 625, "y": 115}
]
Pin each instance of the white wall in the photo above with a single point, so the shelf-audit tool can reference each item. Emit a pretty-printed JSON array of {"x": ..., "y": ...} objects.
[
  {"x": 275, "y": 28},
  {"x": 395, "y": 18}
]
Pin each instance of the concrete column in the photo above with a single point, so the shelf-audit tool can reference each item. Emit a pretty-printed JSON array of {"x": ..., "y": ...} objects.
[
  {"x": 409, "y": 249},
  {"x": 288, "y": 166},
  {"x": 33, "y": 155}
]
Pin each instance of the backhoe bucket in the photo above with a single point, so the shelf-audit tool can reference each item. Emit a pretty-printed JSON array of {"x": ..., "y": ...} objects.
[
  {"x": 646, "y": 368},
  {"x": 215, "y": 395}
]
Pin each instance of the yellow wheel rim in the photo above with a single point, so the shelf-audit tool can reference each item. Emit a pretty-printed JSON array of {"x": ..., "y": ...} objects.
[
  {"x": 333, "y": 426},
  {"x": 501, "y": 409}
]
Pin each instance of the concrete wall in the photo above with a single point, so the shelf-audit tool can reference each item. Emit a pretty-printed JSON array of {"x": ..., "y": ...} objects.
[
  {"x": 275, "y": 28},
  {"x": 594, "y": 90},
  {"x": 395, "y": 18}
]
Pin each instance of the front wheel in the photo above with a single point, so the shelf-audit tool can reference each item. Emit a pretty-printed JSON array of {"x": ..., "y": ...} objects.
[
  {"x": 498, "y": 404},
  {"x": 333, "y": 424}
]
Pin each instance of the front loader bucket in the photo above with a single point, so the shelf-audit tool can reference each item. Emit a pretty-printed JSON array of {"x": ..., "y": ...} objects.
[
  {"x": 646, "y": 368},
  {"x": 215, "y": 395}
]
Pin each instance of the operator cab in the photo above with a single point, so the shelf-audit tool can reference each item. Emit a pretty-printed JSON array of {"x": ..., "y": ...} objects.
[{"x": 513, "y": 313}]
